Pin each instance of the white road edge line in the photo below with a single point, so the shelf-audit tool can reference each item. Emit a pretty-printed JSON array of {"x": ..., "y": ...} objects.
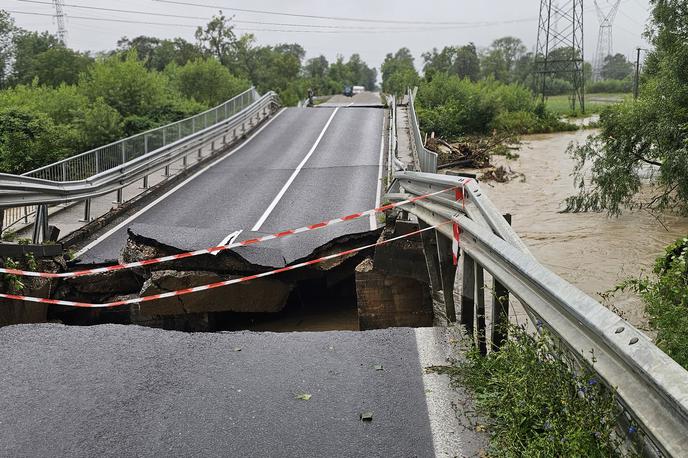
[
  {"x": 291, "y": 179},
  {"x": 378, "y": 192},
  {"x": 449, "y": 436},
  {"x": 172, "y": 191}
]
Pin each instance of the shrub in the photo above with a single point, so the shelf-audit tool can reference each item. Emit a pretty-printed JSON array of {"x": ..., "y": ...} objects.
[
  {"x": 207, "y": 81},
  {"x": 536, "y": 404}
]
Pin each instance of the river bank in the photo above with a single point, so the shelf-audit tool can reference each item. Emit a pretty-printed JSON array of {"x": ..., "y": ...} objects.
[{"x": 591, "y": 250}]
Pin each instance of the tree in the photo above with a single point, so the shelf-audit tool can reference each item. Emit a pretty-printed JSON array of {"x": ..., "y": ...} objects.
[
  {"x": 208, "y": 81},
  {"x": 650, "y": 134},
  {"x": 616, "y": 67},
  {"x": 399, "y": 72},
  {"x": 498, "y": 61},
  {"x": 28, "y": 140},
  {"x": 56, "y": 66},
  {"x": 218, "y": 38},
  {"x": 27, "y": 46},
  {"x": 158, "y": 53},
  {"x": 462, "y": 61}
]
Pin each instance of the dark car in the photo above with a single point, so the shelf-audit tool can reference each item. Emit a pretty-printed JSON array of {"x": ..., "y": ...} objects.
[{"x": 348, "y": 91}]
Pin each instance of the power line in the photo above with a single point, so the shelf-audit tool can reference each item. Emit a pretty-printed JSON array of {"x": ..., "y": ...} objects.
[
  {"x": 366, "y": 31},
  {"x": 312, "y": 16},
  {"x": 204, "y": 18}
]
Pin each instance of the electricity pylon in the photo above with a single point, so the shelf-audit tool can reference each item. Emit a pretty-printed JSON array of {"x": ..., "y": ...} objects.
[
  {"x": 60, "y": 19},
  {"x": 559, "y": 52},
  {"x": 605, "y": 44}
]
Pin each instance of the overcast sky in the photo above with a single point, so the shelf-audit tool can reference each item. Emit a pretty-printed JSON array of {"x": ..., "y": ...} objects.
[{"x": 481, "y": 22}]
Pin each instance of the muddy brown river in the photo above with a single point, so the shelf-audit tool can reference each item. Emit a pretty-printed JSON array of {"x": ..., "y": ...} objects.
[{"x": 590, "y": 250}]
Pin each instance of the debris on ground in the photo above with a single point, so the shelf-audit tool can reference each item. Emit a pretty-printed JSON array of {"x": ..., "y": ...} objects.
[
  {"x": 471, "y": 152},
  {"x": 501, "y": 175}
]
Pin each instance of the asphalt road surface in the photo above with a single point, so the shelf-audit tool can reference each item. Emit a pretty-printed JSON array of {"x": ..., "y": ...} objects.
[
  {"x": 304, "y": 166},
  {"x": 130, "y": 391},
  {"x": 369, "y": 99}
]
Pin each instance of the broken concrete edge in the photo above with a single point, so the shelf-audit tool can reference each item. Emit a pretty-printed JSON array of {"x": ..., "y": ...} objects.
[{"x": 77, "y": 237}]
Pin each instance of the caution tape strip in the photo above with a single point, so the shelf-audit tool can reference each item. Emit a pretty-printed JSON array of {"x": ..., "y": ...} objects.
[
  {"x": 217, "y": 249},
  {"x": 221, "y": 284}
]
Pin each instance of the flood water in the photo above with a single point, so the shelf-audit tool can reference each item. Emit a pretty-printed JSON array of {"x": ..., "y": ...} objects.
[{"x": 591, "y": 250}]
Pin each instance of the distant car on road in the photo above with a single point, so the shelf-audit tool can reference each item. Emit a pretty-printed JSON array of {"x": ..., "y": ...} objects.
[
  {"x": 359, "y": 89},
  {"x": 348, "y": 91}
]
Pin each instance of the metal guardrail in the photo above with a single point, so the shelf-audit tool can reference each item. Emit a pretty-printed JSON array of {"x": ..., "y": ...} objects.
[
  {"x": 427, "y": 158},
  {"x": 650, "y": 386},
  {"x": 112, "y": 167}
]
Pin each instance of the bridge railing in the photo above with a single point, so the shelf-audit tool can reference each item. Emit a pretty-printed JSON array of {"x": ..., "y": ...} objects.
[
  {"x": 114, "y": 166},
  {"x": 651, "y": 388},
  {"x": 426, "y": 158}
]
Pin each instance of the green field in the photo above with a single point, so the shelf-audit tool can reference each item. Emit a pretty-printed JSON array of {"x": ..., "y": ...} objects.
[{"x": 594, "y": 103}]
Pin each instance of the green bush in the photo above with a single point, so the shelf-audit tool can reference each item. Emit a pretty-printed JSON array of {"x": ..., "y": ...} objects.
[
  {"x": 29, "y": 140},
  {"x": 666, "y": 299},
  {"x": 536, "y": 404},
  {"x": 453, "y": 107},
  {"x": 610, "y": 86},
  {"x": 206, "y": 81}
]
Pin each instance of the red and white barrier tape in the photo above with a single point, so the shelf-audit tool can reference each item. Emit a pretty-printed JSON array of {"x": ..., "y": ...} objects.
[
  {"x": 217, "y": 249},
  {"x": 221, "y": 284}
]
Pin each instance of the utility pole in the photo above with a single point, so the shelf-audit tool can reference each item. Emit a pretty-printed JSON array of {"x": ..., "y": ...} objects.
[
  {"x": 559, "y": 51},
  {"x": 60, "y": 19},
  {"x": 636, "y": 85}
]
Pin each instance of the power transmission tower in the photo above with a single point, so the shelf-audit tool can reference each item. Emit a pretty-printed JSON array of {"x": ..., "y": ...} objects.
[
  {"x": 605, "y": 44},
  {"x": 60, "y": 18},
  {"x": 559, "y": 52}
]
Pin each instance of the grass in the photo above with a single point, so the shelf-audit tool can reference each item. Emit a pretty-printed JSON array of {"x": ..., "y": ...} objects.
[
  {"x": 538, "y": 402},
  {"x": 594, "y": 103}
]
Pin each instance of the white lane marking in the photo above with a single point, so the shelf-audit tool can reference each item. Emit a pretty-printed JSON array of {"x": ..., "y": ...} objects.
[
  {"x": 284, "y": 189},
  {"x": 170, "y": 192},
  {"x": 378, "y": 192},
  {"x": 351, "y": 104},
  {"x": 229, "y": 240}
]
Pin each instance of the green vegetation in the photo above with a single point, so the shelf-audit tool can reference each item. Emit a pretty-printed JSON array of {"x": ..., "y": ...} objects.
[
  {"x": 594, "y": 103},
  {"x": 666, "y": 297},
  {"x": 651, "y": 133},
  {"x": 453, "y": 107},
  {"x": 536, "y": 403}
]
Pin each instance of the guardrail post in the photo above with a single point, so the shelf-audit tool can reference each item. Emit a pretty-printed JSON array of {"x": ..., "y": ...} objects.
[
  {"x": 120, "y": 196},
  {"x": 480, "y": 334},
  {"x": 40, "y": 226},
  {"x": 432, "y": 262},
  {"x": 200, "y": 153},
  {"x": 500, "y": 310},
  {"x": 87, "y": 211},
  {"x": 167, "y": 171},
  {"x": 145, "y": 182},
  {"x": 184, "y": 162},
  {"x": 467, "y": 313},
  {"x": 2, "y": 219},
  {"x": 447, "y": 274},
  {"x": 212, "y": 147}
]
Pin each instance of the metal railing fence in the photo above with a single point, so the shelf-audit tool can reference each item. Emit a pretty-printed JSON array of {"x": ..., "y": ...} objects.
[
  {"x": 651, "y": 388},
  {"x": 114, "y": 166},
  {"x": 427, "y": 158}
]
